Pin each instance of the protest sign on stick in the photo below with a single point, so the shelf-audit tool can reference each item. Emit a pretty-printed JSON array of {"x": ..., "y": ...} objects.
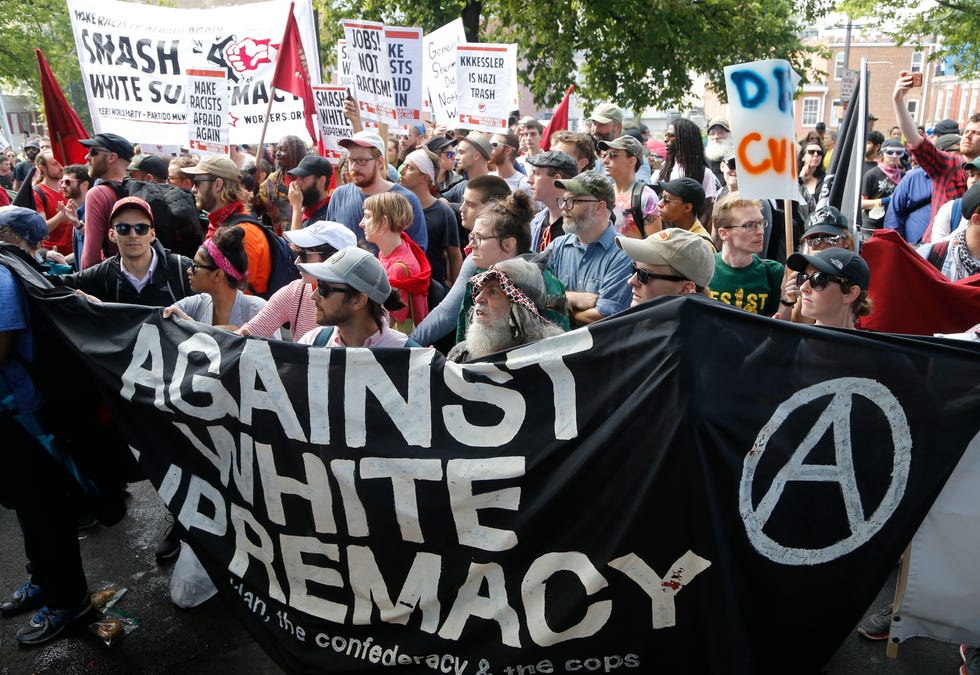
[
  {"x": 368, "y": 54},
  {"x": 332, "y": 120},
  {"x": 405, "y": 63},
  {"x": 207, "y": 111},
  {"x": 439, "y": 70},
  {"x": 483, "y": 74}
]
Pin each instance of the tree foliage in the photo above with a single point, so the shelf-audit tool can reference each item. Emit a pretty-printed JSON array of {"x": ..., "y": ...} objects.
[
  {"x": 957, "y": 20},
  {"x": 640, "y": 53},
  {"x": 26, "y": 24}
]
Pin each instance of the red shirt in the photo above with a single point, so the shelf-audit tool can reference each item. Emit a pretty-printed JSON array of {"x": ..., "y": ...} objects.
[
  {"x": 947, "y": 174},
  {"x": 60, "y": 239}
]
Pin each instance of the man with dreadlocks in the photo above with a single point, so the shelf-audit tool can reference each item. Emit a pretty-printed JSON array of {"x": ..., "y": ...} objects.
[
  {"x": 685, "y": 157},
  {"x": 273, "y": 199},
  {"x": 508, "y": 301}
]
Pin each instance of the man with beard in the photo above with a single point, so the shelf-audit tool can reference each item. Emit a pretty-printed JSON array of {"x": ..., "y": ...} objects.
[
  {"x": 75, "y": 183},
  {"x": 23, "y": 169},
  {"x": 218, "y": 191},
  {"x": 309, "y": 191},
  {"x": 108, "y": 157},
  {"x": 503, "y": 154},
  {"x": 273, "y": 195},
  {"x": 607, "y": 124},
  {"x": 719, "y": 144},
  {"x": 352, "y": 294},
  {"x": 47, "y": 197},
  {"x": 586, "y": 259},
  {"x": 508, "y": 301},
  {"x": 366, "y": 159}
]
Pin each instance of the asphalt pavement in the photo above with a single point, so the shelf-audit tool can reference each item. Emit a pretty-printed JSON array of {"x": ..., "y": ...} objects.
[{"x": 208, "y": 639}]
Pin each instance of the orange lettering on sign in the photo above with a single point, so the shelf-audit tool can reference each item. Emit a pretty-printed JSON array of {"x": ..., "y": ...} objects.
[{"x": 743, "y": 157}]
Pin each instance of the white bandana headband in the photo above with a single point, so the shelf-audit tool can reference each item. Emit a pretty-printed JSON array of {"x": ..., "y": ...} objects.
[{"x": 421, "y": 160}]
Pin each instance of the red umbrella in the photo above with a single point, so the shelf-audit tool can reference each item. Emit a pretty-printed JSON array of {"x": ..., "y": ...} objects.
[{"x": 65, "y": 128}]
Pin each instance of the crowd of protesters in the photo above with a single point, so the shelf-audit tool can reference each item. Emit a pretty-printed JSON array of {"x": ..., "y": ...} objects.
[{"x": 470, "y": 243}]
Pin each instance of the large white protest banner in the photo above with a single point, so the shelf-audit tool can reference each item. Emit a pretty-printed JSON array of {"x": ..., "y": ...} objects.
[
  {"x": 483, "y": 75},
  {"x": 368, "y": 54},
  {"x": 331, "y": 119},
  {"x": 134, "y": 61},
  {"x": 207, "y": 111},
  {"x": 439, "y": 70},
  {"x": 405, "y": 63},
  {"x": 760, "y": 99}
]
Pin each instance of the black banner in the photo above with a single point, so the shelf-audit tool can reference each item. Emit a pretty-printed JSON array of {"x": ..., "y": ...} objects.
[{"x": 683, "y": 487}]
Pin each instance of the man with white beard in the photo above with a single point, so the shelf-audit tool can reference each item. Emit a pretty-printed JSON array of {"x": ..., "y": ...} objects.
[
  {"x": 508, "y": 301},
  {"x": 718, "y": 145}
]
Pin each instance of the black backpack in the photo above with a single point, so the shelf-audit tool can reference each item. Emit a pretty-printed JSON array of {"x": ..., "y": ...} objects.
[
  {"x": 283, "y": 270},
  {"x": 176, "y": 218}
]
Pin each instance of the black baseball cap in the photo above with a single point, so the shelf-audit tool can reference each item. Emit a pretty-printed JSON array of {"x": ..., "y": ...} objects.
[
  {"x": 687, "y": 189},
  {"x": 438, "y": 144},
  {"x": 836, "y": 261},
  {"x": 312, "y": 165},
  {"x": 111, "y": 142},
  {"x": 825, "y": 220},
  {"x": 557, "y": 160}
]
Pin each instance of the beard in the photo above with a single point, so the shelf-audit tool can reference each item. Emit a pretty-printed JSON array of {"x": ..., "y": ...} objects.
[
  {"x": 311, "y": 197},
  {"x": 488, "y": 336},
  {"x": 715, "y": 151}
]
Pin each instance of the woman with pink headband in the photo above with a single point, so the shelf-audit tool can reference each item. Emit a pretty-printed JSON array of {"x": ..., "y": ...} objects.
[{"x": 217, "y": 274}]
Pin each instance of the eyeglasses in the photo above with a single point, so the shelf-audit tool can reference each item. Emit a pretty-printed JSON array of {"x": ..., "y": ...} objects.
[
  {"x": 644, "y": 276},
  {"x": 449, "y": 154},
  {"x": 124, "y": 228},
  {"x": 831, "y": 240},
  {"x": 195, "y": 266},
  {"x": 204, "y": 179},
  {"x": 570, "y": 202},
  {"x": 669, "y": 134},
  {"x": 731, "y": 164},
  {"x": 894, "y": 153},
  {"x": 325, "y": 289},
  {"x": 665, "y": 200},
  {"x": 815, "y": 152},
  {"x": 611, "y": 155},
  {"x": 476, "y": 240},
  {"x": 497, "y": 144},
  {"x": 818, "y": 280},
  {"x": 361, "y": 162},
  {"x": 754, "y": 225},
  {"x": 67, "y": 181},
  {"x": 95, "y": 152}
]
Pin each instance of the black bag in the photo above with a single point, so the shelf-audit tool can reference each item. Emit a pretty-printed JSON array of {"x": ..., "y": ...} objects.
[{"x": 176, "y": 218}]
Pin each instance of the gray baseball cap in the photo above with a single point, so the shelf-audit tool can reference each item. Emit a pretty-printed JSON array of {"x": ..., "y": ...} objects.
[{"x": 355, "y": 267}]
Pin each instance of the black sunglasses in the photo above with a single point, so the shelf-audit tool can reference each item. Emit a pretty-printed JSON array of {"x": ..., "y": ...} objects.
[
  {"x": 95, "y": 152},
  {"x": 325, "y": 289},
  {"x": 818, "y": 280},
  {"x": 644, "y": 277},
  {"x": 199, "y": 266},
  {"x": 124, "y": 228}
]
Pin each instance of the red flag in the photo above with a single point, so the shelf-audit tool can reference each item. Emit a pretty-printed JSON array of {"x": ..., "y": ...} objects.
[
  {"x": 558, "y": 121},
  {"x": 909, "y": 295},
  {"x": 65, "y": 128},
  {"x": 292, "y": 73}
]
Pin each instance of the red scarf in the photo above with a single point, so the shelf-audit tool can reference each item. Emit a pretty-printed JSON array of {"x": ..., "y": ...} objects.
[
  {"x": 218, "y": 217},
  {"x": 310, "y": 211},
  {"x": 419, "y": 283}
]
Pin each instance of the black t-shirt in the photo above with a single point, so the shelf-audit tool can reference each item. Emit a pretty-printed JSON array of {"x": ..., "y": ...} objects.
[
  {"x": 440, "y": 221},
  {"x": 875, "y": 185}
]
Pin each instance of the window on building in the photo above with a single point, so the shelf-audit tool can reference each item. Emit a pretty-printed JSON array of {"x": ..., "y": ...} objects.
[
  {"x": 940, "y": 94},
  {"x": 913, "y": 108},
  {"x": 918, "y": 58},
  {"x": 836, "y": 112},
  {"x": 811, "y": 111},
  {"x": 839, "y": 65}
]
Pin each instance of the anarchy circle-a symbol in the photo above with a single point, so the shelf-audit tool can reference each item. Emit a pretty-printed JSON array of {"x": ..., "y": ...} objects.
[{"x": 838, "y": 416}]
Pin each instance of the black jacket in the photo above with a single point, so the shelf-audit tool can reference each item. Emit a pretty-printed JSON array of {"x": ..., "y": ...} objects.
[{"x": 107, "y": 282}]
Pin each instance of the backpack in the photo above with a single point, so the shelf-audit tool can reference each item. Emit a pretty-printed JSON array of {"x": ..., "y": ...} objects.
[
  {"x": 176, "y": 218},
  {"x": 937, "y": 254},
  {"x": 283, "y": 269}
]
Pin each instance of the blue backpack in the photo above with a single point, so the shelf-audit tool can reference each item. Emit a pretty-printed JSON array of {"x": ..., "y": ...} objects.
[{"x": 283, "y": 269}]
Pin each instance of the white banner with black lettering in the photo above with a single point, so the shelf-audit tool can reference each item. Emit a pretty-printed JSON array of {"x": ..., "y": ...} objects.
[
  {"x": 207, "y": 111},
  {"x": 483, "y": 83},
  {"x": 332, "y": 120},
  {"x": 368, "y": 54},
  {"x": 439, "y": 71},
  {"x": 134, "y": 60}
]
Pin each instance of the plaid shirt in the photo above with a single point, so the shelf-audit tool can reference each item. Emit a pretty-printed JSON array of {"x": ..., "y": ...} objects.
[{"x": 947, "y": 174}]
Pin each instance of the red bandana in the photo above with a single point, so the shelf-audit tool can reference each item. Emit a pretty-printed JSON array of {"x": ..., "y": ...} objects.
[
  {"x": 310, "y": 211},
  {"x": 218, "y": 217}
]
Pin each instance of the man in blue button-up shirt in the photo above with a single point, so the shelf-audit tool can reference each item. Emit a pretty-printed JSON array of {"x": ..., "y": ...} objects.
[{"x": 586, "y": 259}]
